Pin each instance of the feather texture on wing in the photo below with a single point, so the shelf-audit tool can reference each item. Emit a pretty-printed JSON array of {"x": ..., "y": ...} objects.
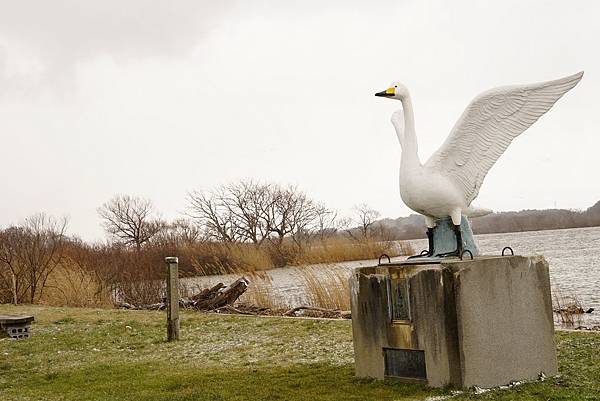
[{"x": 488, "y": 125}]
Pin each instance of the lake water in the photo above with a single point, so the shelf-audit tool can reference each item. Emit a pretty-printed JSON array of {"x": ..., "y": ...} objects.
[{"x": 573, "y": 255}]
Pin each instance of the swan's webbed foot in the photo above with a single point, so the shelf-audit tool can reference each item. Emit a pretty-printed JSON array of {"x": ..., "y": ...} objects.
[
  {"x": 424, "y": 254},
  {"x": 448, "y": 254},
  {"x": 459, "y": 245},
  {"x": 429, "y": 252}
]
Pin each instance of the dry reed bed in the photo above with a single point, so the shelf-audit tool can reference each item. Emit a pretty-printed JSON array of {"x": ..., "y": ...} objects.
[
  {"x": 219, "y": 258},
  {"x": 326, "y": 286}
]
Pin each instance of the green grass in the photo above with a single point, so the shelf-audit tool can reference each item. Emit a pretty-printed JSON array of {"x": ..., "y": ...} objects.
[{"x": 88, "y": 354}]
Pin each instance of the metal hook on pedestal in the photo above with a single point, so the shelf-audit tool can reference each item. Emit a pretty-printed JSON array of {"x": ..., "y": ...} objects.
[
  {"x": 384, "y": 256},
  {"x": 512, "y": 253}
]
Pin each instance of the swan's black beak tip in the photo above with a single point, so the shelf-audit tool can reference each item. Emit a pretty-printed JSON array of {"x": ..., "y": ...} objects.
[{"x": 384, "y": 94}]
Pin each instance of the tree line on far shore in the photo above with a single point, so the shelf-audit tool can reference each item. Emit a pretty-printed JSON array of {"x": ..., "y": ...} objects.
[{"x": 411, "y": 227}]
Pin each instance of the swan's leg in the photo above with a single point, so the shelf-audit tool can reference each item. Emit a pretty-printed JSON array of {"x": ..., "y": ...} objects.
[
  {"x": 456, "y": 217},
  {"x": 430, "y": 223}
]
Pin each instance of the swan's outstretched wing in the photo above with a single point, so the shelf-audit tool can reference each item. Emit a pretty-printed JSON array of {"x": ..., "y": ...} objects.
[{"x": 488, "y": 125}]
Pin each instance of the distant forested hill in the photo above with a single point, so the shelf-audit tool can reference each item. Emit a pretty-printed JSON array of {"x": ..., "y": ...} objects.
[{"x": 413, "y": 226}]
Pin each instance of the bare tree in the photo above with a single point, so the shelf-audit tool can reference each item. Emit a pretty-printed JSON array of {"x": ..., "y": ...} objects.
[
  {"x": 328, "y": 222},
  {"x": 31, "y": 251},
  {"x": 246, "y": 202},
  {"x": 365, "y": 216},
  {"x": 42, "y": 250},
  {"x": 303, "y": 219},
  {"x": 179, "y": 232},
  {"x": 11, "y": 271},
  {"x": 292, "y": 214},
  {"x": 247, "y": 211},
  {"x": 208, "y": 210},
  {"x": 279, "y": 213},
  {"x": 130, "y": 219},
  {"x": 238, "y": 212}
]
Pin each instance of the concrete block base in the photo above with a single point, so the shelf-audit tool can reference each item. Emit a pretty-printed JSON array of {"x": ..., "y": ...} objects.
[
  {"x": 483, "y": 322},
  {"x": 16, "y": 327}
]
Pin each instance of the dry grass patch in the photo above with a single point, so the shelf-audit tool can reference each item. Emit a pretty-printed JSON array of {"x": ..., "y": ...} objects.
[
  {"x": 568, "y": 308},
  {"x": 262, "y": 294},
  {"x": 324, "y": 286},
  {"x": 342, "y": 250},
  {"x": 70, "y": 285},
  {"x": 327, "y": 287}
]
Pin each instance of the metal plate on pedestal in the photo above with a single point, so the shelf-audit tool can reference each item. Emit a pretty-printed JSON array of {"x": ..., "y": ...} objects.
[
  {"x": 404, "y": 363},
  {"x": 400, "y": 308}
]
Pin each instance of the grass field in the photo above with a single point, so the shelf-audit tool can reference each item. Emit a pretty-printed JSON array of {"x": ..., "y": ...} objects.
[{"x": 89, "y": 354}]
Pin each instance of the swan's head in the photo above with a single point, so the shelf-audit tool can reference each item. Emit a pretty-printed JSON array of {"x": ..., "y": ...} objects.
[{"x": 395, "y": 91}]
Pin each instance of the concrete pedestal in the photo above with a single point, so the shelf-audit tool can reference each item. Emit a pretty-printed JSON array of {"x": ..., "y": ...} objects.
[{"x": 482, "y": 322}]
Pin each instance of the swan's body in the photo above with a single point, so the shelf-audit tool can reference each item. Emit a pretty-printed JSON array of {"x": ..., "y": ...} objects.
[
  {"x": 426, "y": 190},
  {"x": 450, "y": 180}
]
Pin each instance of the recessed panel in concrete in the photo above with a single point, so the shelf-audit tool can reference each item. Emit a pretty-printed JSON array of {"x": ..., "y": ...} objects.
[{"x": 404, "y": 363}]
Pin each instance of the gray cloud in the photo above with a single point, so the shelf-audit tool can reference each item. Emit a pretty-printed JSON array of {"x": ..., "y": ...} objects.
[{"x": 56, "y": 35}]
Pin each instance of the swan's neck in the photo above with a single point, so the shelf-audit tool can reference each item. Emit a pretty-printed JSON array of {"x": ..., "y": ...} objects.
[{"x": 410, "y": 156}]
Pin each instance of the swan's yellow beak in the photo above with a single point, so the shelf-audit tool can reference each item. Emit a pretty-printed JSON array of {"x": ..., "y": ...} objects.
[{"x": 389, "y": 92}]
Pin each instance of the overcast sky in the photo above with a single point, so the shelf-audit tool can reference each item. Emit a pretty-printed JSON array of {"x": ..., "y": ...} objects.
[{"x": 156, "y": 98}]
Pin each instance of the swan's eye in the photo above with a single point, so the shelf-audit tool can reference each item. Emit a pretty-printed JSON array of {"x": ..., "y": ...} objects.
[{"x": 395, "y": 86}]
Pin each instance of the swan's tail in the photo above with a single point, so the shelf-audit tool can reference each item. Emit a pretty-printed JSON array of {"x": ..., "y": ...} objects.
[{"x": 473, "y": 211}]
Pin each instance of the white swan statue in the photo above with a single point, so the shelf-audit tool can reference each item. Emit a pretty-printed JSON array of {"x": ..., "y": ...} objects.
[{"x": 450, "y": 180}]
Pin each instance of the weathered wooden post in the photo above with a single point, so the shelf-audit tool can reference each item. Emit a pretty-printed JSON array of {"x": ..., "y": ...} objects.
[{"x": 172, "y": 298}]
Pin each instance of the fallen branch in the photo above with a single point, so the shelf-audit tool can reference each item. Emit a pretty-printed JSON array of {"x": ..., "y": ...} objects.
[
  {"x": 331, "y": 313},
  {"x": 226, "y": 297},
  {"x": 216, "y": 297},
  {"x": 156, "y": 306},
  {"x": 231, "y": 309},
  {"x": 292, "y": 312}
]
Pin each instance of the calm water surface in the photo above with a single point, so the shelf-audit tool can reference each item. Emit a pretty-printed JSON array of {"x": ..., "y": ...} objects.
[{"x": 573, "y": 255}]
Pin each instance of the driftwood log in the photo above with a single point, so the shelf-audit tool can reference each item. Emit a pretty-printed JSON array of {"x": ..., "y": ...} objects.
[
  {"x": 220, "y": 297},
  {"x": 207, "y": 292},
  {"x": 208, "y": 299}
]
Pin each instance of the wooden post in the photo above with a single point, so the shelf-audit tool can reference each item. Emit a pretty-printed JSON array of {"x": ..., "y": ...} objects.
[{"x": 172, "y": 298}]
